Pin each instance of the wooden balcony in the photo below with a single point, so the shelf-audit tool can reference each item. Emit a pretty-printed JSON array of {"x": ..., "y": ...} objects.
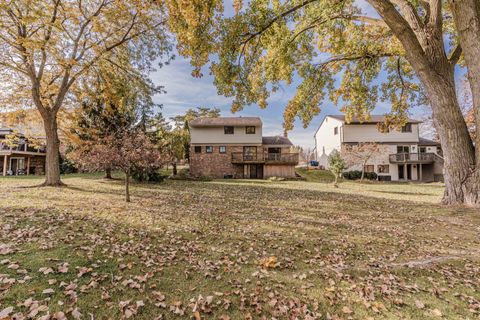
[
  {"x": 282, "y": 158},
  {"x": 412, "y": 158},
  {"x": 240, "y": 157},
  {"x": 22, "y": 149},
  {"x": 268, "y": 158}
]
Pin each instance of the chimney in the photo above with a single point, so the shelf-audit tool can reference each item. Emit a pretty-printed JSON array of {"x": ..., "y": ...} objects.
[{"x": 285, "y": 133}]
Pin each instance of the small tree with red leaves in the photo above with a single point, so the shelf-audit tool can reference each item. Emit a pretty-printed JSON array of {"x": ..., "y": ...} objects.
[{"x": 133, "y": 150}]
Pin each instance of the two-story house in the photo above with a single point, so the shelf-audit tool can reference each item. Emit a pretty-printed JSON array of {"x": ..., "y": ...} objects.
[
  {"x": 406, "y": 156},
  {"x": 20, "y": 157},
  {"x": 233, "y": 147}
]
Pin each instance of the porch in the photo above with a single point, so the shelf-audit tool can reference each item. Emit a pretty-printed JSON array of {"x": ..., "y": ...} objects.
[{"x": 17, "y": 163}]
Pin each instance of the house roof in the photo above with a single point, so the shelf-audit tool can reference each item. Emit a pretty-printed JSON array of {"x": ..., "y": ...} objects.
[
  {"x": 225, "y": 121},
  {"x": 427, "y": 142},
  {"x": 276, "y": 140},
  {"x": 373, "y": 119}
]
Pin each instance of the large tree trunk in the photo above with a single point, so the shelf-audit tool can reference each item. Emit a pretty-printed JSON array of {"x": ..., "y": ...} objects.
[
  {"x": 461, "y": 185},
  {"x": 52, "y": 166},
  {"x": 466, "y": 15},
  {"x": 425, "y": 51}
]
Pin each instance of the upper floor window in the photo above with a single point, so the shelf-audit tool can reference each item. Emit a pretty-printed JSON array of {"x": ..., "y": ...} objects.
[
  {"x": 407, "y": 128},
  {"x": 250, "y": 129},
  {"x": 198, "y": 149},
  {"x": 228, "y": 129},
  {"x": 208, "y": 149},
  {"x": 335, "y": 130}
]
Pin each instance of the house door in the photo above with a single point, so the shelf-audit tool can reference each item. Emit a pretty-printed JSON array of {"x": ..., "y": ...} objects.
[
  {"x": 17, "y": 166},
  {"x": 401, "y": 172},
  {"x": 274, "y": 154},
  {"x": 409, "y": 172},
  {"x": 253, "y": 171},
  {"x": 404, "y": 150}
]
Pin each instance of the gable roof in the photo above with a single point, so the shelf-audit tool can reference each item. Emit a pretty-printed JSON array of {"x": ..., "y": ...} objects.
[
  {"x": 225, "y": 121},
  {"x": 373, "y": 119},
  {"x": 427, "y": 142},
  {"x": 276, "y": 140}
]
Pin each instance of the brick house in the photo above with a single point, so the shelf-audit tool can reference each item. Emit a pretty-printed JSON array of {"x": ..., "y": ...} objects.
[
  {"x": 233, "y": 147},
  {"x": 21, "y": 158}
]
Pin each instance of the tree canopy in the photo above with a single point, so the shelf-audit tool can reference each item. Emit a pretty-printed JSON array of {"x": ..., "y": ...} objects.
[
  {"x": 403, "y": 53},
  {"x": 48, "y": 47}
]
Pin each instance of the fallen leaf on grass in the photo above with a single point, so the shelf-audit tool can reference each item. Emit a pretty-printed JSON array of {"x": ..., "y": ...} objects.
[
  {"x": 6, "y": 312},
  {"x": 48, "y": 291},
  {"x": 270, "y": 262}
]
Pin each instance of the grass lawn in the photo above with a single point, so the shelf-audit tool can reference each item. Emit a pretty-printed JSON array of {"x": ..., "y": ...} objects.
[{"x": 236, "y": 250}]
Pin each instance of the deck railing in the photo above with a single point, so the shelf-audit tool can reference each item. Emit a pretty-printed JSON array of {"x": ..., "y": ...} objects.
[
  {"x": 247, "y": 157},
  {"x": 21, "y": 148},
  {"x": 412, "y": 157},
  {"x": 282, "y": 157},
  {"x": 240, "y": 157}
]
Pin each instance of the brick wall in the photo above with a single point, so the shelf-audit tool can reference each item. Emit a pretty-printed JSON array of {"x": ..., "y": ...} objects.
[{"x": 215, "y": 164}]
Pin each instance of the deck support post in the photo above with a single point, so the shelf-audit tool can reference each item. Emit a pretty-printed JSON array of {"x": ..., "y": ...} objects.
[{"x": 5, "y": 158}]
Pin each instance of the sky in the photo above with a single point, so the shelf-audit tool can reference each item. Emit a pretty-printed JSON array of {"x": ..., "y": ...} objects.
[{"x": 185, "y": 91}]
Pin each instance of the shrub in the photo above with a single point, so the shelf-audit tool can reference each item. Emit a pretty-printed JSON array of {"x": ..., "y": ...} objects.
[
  {"x": 147, "y": 175},
  {"x": 357, "y": 175},
  {"x": 67, "y": 166}
]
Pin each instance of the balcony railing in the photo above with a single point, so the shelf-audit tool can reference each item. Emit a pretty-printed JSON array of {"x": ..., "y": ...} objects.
[
  {"x": 21, "y": 148},
  {"x": 282, "y": 157},
  {"x": 240, "y": 157},
  {"x": 412, "y": 158}
]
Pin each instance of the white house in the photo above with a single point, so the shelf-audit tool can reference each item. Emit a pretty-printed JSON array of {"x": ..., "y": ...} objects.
[{"x": 407, "y": 156}]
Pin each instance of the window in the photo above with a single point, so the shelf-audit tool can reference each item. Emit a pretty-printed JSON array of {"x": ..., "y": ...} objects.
[
  {"x": 335, "y": 130},
  {"x": 407, "y": 128},
  {"x": 403, "y": 149},
  {"x": 423, "y": 149},
  {"x": 222, "y": 149},
  {"x": 228, "y": 129},
  {"x": 369, "y": 168},
  {"x": 198, "y": 149},
  {"x": 208, "y": 149},
  {"x": 249, "y": 153},
  {"x": 250, "y": 130},
  {"x": 383, "y": 168}
]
